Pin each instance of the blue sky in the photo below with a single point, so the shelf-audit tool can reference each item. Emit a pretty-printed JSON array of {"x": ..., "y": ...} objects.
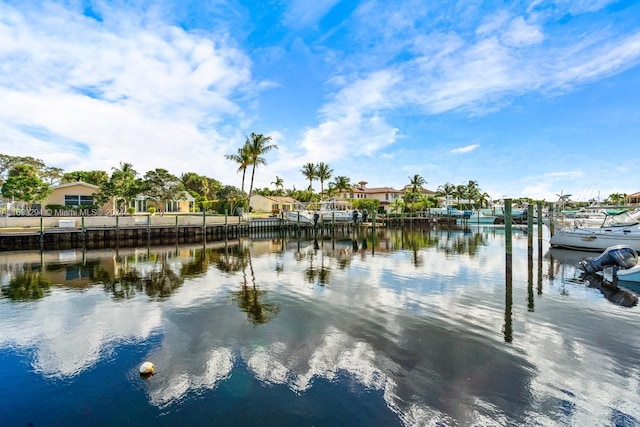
[{"x": 528, "y": 98}]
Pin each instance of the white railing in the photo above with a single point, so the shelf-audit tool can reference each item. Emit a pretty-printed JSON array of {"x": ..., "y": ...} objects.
[{"x": 70, "y": 223}]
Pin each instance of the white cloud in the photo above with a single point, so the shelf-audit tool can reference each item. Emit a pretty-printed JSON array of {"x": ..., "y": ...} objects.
[
  {"x": 465, "y": 149},
  {"x": 521, "y": 34},
  {"x": 144, "y": 94}
]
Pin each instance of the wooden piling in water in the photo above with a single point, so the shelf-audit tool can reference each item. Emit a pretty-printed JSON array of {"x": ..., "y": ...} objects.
[
  {"x": 530, "y": 226},
  {"x": 508, "y": 220}
]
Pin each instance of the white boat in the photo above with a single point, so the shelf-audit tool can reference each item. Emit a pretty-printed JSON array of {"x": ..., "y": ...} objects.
[
  {"x": 330, "y": 211},
  {"x": 477, "y": 217},
  {"x": 592, "y": 216},
  {"x": 302, "y": 216},
  {"x": 621, "y": 229}
]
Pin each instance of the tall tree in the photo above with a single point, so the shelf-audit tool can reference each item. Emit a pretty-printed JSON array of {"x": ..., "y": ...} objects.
[
  {"x": 416, "y": 182},
  {"x": 200, "y": 185},
  {"x": 323, "y": 173},
  {"x": 24, "y": 185},
  {"x": 472, "y": 190},
  {"x": 342, "y": 184},
  {"x": 279, "y": 184},
  {"x": 50, "y": 175},
  {"x": 413, "y": 193},
  {"x": 460, "y": 193},
  {"x": 397, "y": 205},
  {"x": 95, "y": 177},
  {"x": 258, "y": 146},
  {"x": 446, "y": 190},
  {"x": 309, "y": 171},
  {"x": 123, "y": 186},
  {"x": 243, "y": 159},
  {"x": 162, "y": 186}
]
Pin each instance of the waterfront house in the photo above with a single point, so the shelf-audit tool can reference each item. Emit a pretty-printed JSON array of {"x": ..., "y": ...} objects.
[
  {"x": 182, "y": 205},
  {"x": 79, "y": 194},
  {"x": 271, "y": 204},
  {"x": 386, "y": 195},
  {"x": 76, "y": 194},
  {"x": 633, "y": 199}
]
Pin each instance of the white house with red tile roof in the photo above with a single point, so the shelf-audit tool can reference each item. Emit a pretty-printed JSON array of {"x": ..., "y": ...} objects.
[{"x": 386, "y": 195}]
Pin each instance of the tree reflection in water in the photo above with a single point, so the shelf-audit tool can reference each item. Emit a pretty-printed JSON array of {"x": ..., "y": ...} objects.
[
  {"x": 320, "y": 273},
  {"x": 129, "y": 279},
  {"x": 249, "y": 297},
  {"x": 465, "y": 243},
  {"x": 28, "y": 285}
]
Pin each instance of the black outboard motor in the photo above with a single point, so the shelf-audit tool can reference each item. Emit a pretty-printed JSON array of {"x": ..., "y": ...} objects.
[{"x": 622, "y": 256}]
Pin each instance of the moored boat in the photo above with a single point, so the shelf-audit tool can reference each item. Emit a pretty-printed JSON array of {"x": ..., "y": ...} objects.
[
  {"x": 477, "y": 217},
  {"x": 629, "y": 275},
  {"x": 621, "y": 229},
  {"x": 338, "y": 211}
]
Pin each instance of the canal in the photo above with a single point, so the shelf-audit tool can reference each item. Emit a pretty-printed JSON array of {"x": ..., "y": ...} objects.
[{"x": 366, "y": 328}]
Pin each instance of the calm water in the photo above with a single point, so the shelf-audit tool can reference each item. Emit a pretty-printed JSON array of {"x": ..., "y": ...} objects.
[{"x": 400, "y": 328}]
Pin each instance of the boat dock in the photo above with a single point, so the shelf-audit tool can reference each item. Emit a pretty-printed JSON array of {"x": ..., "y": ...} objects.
[{"x": 101, "y": 232}]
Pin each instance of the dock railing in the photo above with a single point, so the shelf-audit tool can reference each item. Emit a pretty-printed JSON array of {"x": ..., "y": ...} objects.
[{"x": 17, "y": 224}]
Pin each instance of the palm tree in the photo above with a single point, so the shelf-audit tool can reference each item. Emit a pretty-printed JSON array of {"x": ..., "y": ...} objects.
[
  {"x": 472, "y": 190},
  {"x": 482, "y": 199},
  {"x": 125, "y": 184},
  {"x": 331, "y": 190},
  {"x": 342, "y": 183},
  {"x": 258, "y": 145},
  {"x": 447, "y": 190},
  {"x": 309, "y": 171},
  {"x": 460, "y": 193},
  {"x": 397, "y": 205},
  {"x": 279, "y": 184},
  {"x": 323, "y": 173},
  {"x": 243, "y": 159},
  {"x": 416, "y": 183}
]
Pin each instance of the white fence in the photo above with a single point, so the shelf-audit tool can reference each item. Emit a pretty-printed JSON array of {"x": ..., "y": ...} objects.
[{"x": 69, "y": 223}]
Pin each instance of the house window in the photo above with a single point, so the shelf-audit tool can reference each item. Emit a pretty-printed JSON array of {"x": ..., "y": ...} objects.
[
  {"x": 141, "y": 205},
  {"x": 72, "y": 200},
  {"x": 173, "y": 206},
  {"x": 386, "y": 196}
]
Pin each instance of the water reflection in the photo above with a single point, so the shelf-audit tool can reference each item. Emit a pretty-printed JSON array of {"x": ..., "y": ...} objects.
[
  {"x": 249, "y": 297},
  {"x": 408, "y": 328},
  {"x": 27, "y": 285},
  {"x": 565, "y": 262}
]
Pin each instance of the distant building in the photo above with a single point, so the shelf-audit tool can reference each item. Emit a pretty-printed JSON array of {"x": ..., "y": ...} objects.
[
  {"x": 386, "y": 195},
  {"x": 271, "y": 204},
  {"x": 633, "y": 199}
]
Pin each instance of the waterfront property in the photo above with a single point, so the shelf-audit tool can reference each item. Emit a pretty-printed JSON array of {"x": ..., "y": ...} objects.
[
  {"x": 75, "y": 194},
  {"x": 272, "y": 204}
]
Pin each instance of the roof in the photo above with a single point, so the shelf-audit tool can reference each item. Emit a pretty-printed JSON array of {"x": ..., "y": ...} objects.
[
  {"x": 375, "y": 190},
  {"x": 282, "y": 199},
  {"x": 278, "y": 199},
  {"x": 71, "y": 184}
]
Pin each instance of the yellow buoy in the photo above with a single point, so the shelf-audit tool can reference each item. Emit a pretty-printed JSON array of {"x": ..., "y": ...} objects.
[{"x": 147, "y": 369}]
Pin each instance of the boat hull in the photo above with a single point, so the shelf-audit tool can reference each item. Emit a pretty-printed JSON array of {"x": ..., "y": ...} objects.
[
  {"x": 596, "y": 239},
  {"x": 306, "y": 217},
  {"x": 300, "y": 217},
  {"x": 477, "y": 219},
  {"x": 629, "y": 275}
]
